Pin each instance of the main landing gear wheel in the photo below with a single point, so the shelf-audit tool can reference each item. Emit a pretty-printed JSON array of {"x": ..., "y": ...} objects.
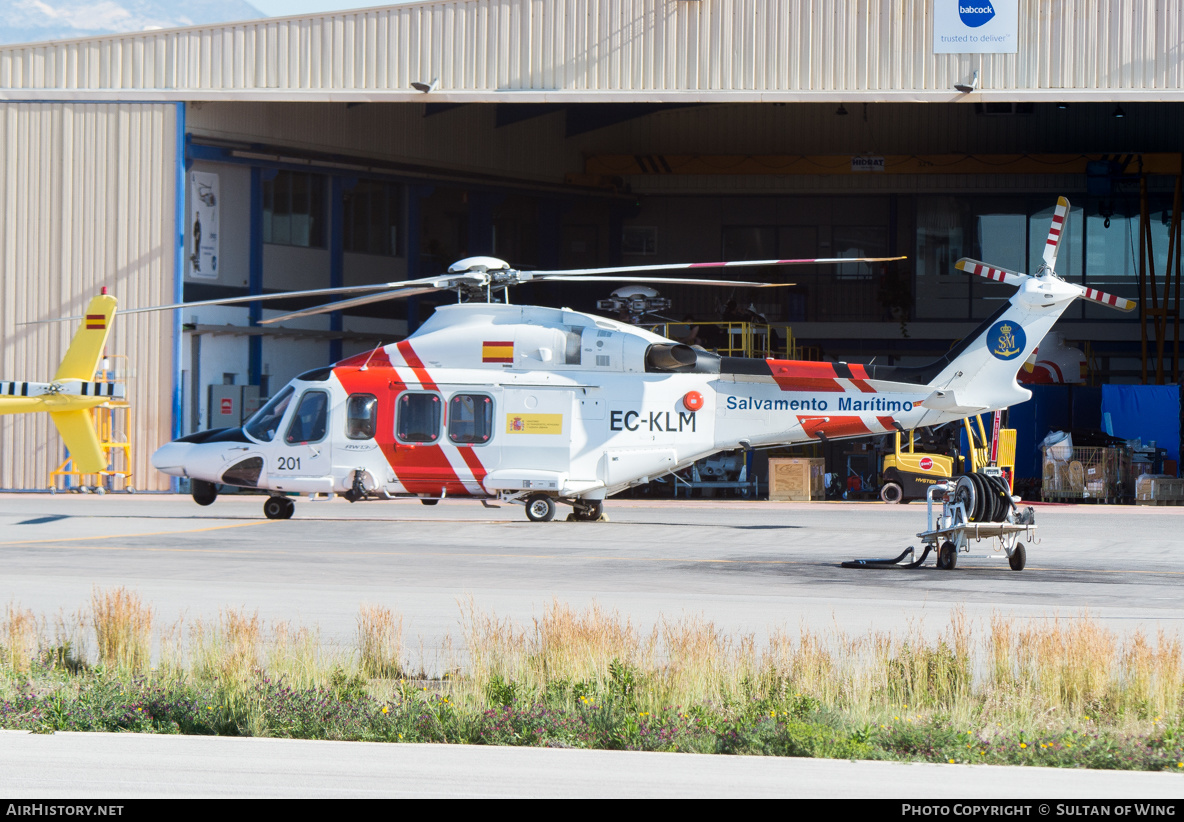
[
  {"x": 278, "y": 508},
  {"x": 204, "y": 493},
  {"x": 947, "y": 556},
  {"x": 540, "y": 508},
  {"x": 891, "y": 492},
  {"x": 589, "y": 511},
  {"x": 1018, "y": 558},
  {"x": 429, "y": 501}
]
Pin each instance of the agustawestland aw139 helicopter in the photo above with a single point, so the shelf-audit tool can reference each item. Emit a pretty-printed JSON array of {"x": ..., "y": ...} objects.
[{"x": 542, "y": 406}]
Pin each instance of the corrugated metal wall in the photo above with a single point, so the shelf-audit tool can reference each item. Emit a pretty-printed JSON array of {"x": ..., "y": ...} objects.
[
  {"x": 627, "y": 46},
  {"x": 88, "y": 202}
]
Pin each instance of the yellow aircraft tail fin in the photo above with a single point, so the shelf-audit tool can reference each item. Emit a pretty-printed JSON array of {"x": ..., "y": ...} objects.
[
  {"x": 78, "y": 433},
  {"x": 82, "y": 357}
]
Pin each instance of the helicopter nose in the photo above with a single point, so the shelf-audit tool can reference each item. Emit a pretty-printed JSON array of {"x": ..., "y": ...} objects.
[{"x": 170, "y": 458}]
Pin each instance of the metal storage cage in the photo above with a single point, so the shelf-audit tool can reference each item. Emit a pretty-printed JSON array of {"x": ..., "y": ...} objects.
[{"x": 1087, "y": 474}]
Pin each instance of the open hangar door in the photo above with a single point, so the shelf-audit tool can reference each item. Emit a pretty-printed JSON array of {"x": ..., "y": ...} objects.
[{"x": 319, "y": 195}]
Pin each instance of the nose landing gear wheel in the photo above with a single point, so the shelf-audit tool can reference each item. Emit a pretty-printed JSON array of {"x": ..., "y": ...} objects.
[
  {"x": 278, "y": 508},
  {"x": 947, "y": 556},
  {"x": 540, "y": 508},
  {"x": 1018, "y": 558},
  {"x": 892, "y": 493}
]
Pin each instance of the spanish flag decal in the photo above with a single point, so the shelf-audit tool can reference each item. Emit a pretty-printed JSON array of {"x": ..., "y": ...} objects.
[
  {"x": 96, "y": 322},
  {"x": 497, "y": 351}
]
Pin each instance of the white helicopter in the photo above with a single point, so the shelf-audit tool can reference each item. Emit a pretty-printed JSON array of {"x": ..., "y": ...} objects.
[{"x": 540, "y": 406}]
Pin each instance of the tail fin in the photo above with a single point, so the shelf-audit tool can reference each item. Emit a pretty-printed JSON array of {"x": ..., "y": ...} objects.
[
  {"x": 82, "y": 357},
  {"x": 981, "y": 372}
]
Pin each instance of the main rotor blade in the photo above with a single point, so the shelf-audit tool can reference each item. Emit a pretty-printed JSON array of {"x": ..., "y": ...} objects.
[
  {"x": 432, "y": 285},
  {"x": 1055, "y": 232},
  {"x": 999, "y": 275},
  {"x": 581, "y": 272},
  {"x": 282, "y": 295},
  {"x": 592, "y": 278}
]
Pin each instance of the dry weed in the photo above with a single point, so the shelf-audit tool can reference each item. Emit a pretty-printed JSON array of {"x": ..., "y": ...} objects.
[
  {"x": 18, "y": 638},
  {"x": 123, "y": 629},
  {"x": 380, "y": 642}
]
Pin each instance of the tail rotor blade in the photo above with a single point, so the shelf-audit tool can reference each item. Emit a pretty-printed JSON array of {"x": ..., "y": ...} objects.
[
  {"x": 990, "y": 272},
  {"x": 1056, "y": 232},
  {"x": 1111, "y": 300}
]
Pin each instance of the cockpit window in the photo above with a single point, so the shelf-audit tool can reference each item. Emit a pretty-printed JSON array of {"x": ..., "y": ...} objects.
[
  {"x": 263, "y": 423},
  {"x": 361, "y": 416},
  {"x": 308, "y": 424},
  {"x": 419, "y": 417}
]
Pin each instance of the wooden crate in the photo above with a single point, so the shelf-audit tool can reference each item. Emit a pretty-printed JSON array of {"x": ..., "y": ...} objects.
[{"x": 797, "y": 479}]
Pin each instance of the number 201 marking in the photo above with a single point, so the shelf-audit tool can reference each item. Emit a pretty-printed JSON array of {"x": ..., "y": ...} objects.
[{"x": 288, "y": 464}]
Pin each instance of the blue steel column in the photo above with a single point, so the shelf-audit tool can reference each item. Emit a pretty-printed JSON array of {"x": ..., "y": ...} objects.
[
  {"x": 337, "y": 187},
  {"x": 179, "y": 218},
  {"x": 255, "y": 277}
]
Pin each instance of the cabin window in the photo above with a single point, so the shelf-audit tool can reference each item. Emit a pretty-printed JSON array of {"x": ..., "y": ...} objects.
[
  {"x": 308, "y": 424},
  {"x": 470, "y": 419},
  {"x": 361, "y": 416},
  {"x": 263, "y": 424},
  {"x": 419, "y": 416}
]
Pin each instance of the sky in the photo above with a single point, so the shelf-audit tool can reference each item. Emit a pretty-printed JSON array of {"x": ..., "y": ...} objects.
[{"x": 287, "y": 8}]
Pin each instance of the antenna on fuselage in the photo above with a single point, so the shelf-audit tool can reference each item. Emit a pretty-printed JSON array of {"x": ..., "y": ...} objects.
[{"x": 366, "y": 364}]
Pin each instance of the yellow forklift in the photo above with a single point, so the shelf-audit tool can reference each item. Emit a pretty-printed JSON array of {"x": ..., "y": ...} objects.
[{"x": 907, "y": 475}]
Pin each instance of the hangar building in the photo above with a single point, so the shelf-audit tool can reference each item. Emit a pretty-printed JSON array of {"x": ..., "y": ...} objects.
[{"x": 385, "y": 143}]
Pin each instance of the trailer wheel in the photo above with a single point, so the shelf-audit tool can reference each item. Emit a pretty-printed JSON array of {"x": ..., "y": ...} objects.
[
  {"x": 947, "y": 556},
  {"x": 540, "y": 508},
  {"x": 892, "y": 493},
  {"x": 1018, "y": 558}
]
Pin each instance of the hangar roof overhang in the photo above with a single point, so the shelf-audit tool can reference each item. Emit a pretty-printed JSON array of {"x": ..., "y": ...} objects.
[{"x": 596, "y": 51}]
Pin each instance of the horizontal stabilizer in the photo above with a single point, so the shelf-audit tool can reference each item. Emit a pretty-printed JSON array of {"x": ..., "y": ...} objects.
[
  {"x": 946, "y": 400},
  {"x": 78, "y": 433},
  {"x": 999, "y": 275}
]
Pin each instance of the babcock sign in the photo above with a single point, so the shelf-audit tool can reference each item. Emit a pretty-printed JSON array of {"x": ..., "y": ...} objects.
[{"x": 976, "y": 26}]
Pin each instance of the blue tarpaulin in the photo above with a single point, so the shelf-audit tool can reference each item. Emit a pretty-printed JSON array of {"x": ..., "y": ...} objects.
[{"x": 1147, "y": 412}]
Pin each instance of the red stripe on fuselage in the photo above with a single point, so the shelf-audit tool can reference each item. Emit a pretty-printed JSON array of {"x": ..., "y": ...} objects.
[
  {"x": 421, "y": 468},
  {"x": 833, "y": 427},
  {"x": 416, "y": 365},
  {"x": 795, "y": 375},
  {"x": 469, "y": 455}
]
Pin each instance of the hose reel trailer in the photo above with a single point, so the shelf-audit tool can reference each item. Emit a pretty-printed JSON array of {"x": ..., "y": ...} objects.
[{"x": 974, "y": 508}]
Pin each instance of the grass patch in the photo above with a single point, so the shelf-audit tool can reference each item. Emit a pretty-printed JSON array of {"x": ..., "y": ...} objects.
[{"x": 1062, "y": 692}]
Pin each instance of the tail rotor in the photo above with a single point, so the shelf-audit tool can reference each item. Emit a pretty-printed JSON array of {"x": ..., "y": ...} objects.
[{"x": 1052, "y": 246}]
